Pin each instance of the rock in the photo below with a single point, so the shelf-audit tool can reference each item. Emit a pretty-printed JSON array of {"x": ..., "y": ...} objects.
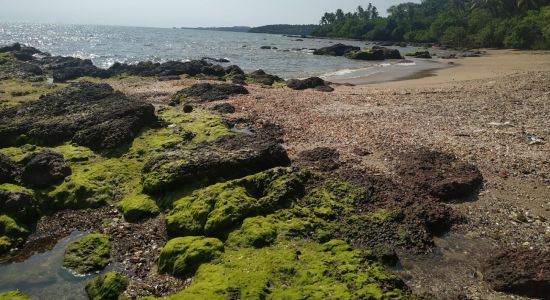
[
  {"x": 371, "y": 54},
  {"x": 44, "y": 169},
  {"x": 187, "y": 109},
  {"x": 234, "y": 70},
  {"x": 204, "y": 92},
  {"x": 229, "y": 157},
  {"x": 89, "y": 114},
  {"x": 11, "y": 233},
  {"x": 8, "y": 170},
  {"x": 170, "y": 68},
  {"x": 420, "y": 54},
  {"x": 88, "y": 254},
  {"x": 267, "y": 47},
  {"x": 261, "y": 77},
  {"x": 224, "y": 108},
  {"x": 389, "y": 53},
  {"x": 137, "y": 207},
  {"x": 14, "y": 295},
  {"x": 10, "y": 48},
  {"x": 183, "y": 256},
  {"x": 309, "y": 83},
  {"x": 18, "y": 202},
  {"x": 255, "y": 232},
  {"x": 217, "y": 209},
  {"x": 325, "y": 89},
  {"x": 109, "y": 286},
  {"x": 218, "y": 60},
  {"x": 520, "y": 271},
  {"x": 68, "y": 68},
  {"x": 336, "y": 50},
  {"x": 440, "y": 175}
]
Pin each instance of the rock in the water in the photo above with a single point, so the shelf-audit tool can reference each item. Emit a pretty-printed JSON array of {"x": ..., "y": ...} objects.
[
  {"x": 336, "y": 50},
  {"x": 371, "y": 54},
  {"x": 224, "y": 108},
  {"x": 420, "y": 54},
  {"x": 218, "y": 60},
  {"x": 439, "y": 174},
  {"x": 520, "y": 271},
  {"x": 10, "y": 48},
  {"x": 44, "y": 169},
  {"x": 389, "y": 53},
  {"x": 88, "y": 254},
  {"x": 229, "y": 157},
  {"x": 309, "y": 83},
  {"x": 18, "y": 202},
  {"x": 8, "y": 169},
  {"x": 204, "y": 92},
  {"x": 107, "y": 287},
  {"x": 89, "y": 114},
  {"x": 183, "y": 256}
]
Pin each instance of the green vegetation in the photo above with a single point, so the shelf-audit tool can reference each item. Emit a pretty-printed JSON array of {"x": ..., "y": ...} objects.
[
  {"x": 476, "y": 23},
  {"x": 137, "y": 207},
  {"x": 107, "y": 287},
  {"x": 302, "y": 30},
  {"x": 183, "y": 256},
  {"x": 13, "y": 92},
  {"x": 13, "y": 295},
  {"x": 255, "y": 232},
  {"x": 293, "y": 270},
  {"x": 88, "y": 254},
  {"x": 11, "y": 233}
]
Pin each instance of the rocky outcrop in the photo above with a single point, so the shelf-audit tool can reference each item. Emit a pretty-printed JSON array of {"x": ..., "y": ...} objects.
[
  {"x": 440, "y": 175},
  {"x": 89, "y": 114},
  {"x": 8, "y": 169},
  {"x": 336, "y": 50},
  {"x": 205, "y": 92},
  {"x": 44, "y": 169},
  {"x": 309, "y": 83},
  {"x": 522, "y": 272},
  {"x": 109, "y": 286},
  {"x": 261, "y": 77},
  {"x": 19, "y": 203},
  {"x": 183, "y": 256},
  {"x": 420, "y": 54},
  {"x": 229, "y": 157},
  {"x": 375, "y": 53}
]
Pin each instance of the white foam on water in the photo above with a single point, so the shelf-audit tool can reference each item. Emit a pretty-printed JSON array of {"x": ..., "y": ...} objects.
[{"x": 407, "y": 64}]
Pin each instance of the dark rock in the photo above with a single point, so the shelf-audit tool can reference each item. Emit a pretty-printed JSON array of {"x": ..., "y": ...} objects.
[
  {"x": 389, "y": 53},
  {"x": 309, "y": 83},
  {"x": 234, "y": 70},
  {"x": 371, "y": 54},
  {"x": 336, "y": 50},
  {"x": 20, "y": 204},
  {"x": 187, "y": 109},
  {"x": 267, "y": 48},
  {"x": 204, "y": 92},
  {"x": 31, "y": 69},
  {"x": 92, "y": 115},
  {"x": 520, "y": 271},
  {"x": 439, "y": 174},
  {"x": 68, "y": 68},
  {"x": 8, "y": 170},
  {"x": 169, "y": 78},
  {"x": 229, "y": 157},
  {"x": 420, "y": 54},
  {"x": 224, "y": 108},
  {"x": 239, "y": 79},
  {"x": 10, "y": 48},
  {"x": 44, "y": 169},
  {"x": 260, "y": 76},
  {"x": 324, "y": 88}
]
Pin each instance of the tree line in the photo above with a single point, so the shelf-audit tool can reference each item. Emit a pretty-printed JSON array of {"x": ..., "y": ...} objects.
[{"x": 523, "y": 24}]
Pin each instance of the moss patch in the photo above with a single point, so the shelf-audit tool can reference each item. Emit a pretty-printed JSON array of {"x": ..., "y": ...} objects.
[
  {"x": 255, "y": 232},
  {"x": 137, "y": 207},
  {"x": 13, "y": 92},
  {"x": 215, "y": 210},
  {"x": 11, "y": 233},
  {"x": 88, "y": 254},
  {"x": 14, "y": 295},
  {"x": 107, "y": 287},
  {"x": 294, "y": 270},
  {"x": 183, "y": 256}
]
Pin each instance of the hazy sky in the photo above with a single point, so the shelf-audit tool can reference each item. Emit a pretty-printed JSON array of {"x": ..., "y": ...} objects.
[{"x": 168, "y": 13}]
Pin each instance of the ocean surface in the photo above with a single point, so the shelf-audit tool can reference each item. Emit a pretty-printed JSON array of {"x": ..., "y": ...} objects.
[{"x": 105, "y": 45}]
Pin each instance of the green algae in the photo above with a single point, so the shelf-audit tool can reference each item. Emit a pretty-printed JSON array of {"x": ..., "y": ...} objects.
[
  {"x": 293, "y": 270},
  {"x": 255, "y": 232},
  {"x": 183, "y": 256},
  {"x": 14, "y": 295},
  {"x": 215, "y": 210},
  {"x": 15, "y": 188},
  {"x": 137, "y": 207},
  {"x": 14, "y": 92},
  {"x": 11, "y": 233},
  {"x": 88, "y": 254},
  {"x": 109, "y": 286}
]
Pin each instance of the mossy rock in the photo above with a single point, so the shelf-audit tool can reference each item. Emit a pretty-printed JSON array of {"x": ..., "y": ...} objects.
[
  {"x": 370, "y": 54},
  {"x": 138, "y": 207},
  {"x": 14, "y": 295},
  {"x": 88, "y": 254},
  {"x": 298, "y": 269},
  {"x": 183, "y": 256},
  {"x": 217, "y": 209},
  {"x": 11, "y": 233},
  {"x": 255, "y": 232},
  {"x": 107, "y": 287}
]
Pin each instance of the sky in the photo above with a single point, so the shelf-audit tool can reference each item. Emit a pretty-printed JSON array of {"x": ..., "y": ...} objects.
[{"x": 178, "y": 13}]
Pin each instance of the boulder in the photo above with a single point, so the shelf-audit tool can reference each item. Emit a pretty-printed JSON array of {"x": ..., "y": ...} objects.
[
  {"x": 137, "y": 207},
  {"x": 224, "y": 108},
  {"x": 336, "y": 50},
  {"x": 261, "y": 77},
  {"x": 183, "y": 256},
  {"x": 18, "y": 202},
  {"x": 389, "y": 53},
  {"x": 204, "y": 92},
  {"x": 90, "y": 114},
  {"x": 69, "y": 68},
  {"x": 10, "y": 48},
  {"x": 371, "y": 54},
  {"x": 109, "y": 286},
  {"x": 8, "y": 169},
  {"x": 522, "y": 272},
  {"x": 309, "y": 83},
  {"x": 44, "y": 169},
  {"x": 420, "y": 54},
  {"x": 88, "y": 254}
]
